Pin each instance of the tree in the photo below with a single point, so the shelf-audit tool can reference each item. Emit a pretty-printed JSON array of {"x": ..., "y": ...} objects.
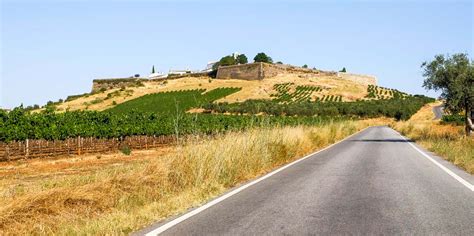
[
  {"x": 305, "y": 66},
  {"x": 153, "y": 69},
  {"x": 454, "y": 76},
  {"x": 242, "y": 59},
  {"x": 343, "y": 70},
  {"x": 279, "y": 62},
  {"x": 262, "y": 57},
  {"x": 225, "y": 61}
]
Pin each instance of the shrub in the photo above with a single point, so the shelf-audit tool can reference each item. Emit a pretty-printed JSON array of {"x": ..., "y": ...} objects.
[{"x": 125, "y": 149}]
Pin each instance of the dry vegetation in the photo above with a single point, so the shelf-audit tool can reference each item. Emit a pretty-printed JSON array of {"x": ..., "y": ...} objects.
[
  {"x": 124, "y": 193},
  {"x": 331, "y": 85},
  {"x": 446, "y": 140}
]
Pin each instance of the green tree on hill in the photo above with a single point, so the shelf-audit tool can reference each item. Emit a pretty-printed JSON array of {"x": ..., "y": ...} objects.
[
  {"x": 262, "y": 57},
  {"x": 241, "y": 59},
  {"x": 225, "y": 61},
  {"x": 343, "y": 70},
  {"x": 153, "y": 69},
  {"x": 305, "y": 66},
  {"x": 454, "y": 76}
]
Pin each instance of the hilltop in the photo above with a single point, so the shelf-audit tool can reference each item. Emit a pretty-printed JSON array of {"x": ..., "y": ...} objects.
[{"x": 290, "y": 84}]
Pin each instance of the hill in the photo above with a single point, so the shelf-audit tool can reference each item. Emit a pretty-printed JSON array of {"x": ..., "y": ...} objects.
[{"x": 287, "y": 87}]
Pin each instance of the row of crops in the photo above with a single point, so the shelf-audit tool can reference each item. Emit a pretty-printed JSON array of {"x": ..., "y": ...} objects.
[
  {"x": 173, "y": 101},
  {"x": 378, "y": 92},
  {"x": 329, "y": 98},
  {"x": 400, "y": 109},
  {"x": 300, "y": 94},
  {"x": 21, "y": 125}
]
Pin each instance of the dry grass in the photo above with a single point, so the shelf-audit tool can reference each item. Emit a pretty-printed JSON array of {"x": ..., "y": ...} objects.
[
  {"x": 117, "y": 199},
  {"x": 448, "y": 141},
  {"x": 250, "y": 90}
]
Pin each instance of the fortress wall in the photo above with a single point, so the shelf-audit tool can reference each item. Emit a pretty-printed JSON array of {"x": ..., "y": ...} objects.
[
  {"x": 259, "y": 71},
  {"x": 99, "y": 84},
  {"x": 252, "y": 71}
]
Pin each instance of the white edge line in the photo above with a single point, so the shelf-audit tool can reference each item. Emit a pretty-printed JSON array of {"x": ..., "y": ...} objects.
[
  {"x": 196, "y": 211},
  {"x": 455, "y": 176}
]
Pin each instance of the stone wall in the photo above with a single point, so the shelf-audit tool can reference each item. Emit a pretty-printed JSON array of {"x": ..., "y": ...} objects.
[
  {"x": 259, "y": 71},
  {"x": 99, "y": 84},
  {"x": 252, "y": 71}
]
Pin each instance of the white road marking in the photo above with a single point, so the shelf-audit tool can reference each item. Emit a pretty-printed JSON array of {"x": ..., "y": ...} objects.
[
  {"x": 196, "y": 211},
  {"x": 455, "y": 176}
]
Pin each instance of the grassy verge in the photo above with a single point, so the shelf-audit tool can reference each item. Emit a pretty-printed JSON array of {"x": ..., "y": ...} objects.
[
  {"x": 122, "y": 198},
  {"x": 446, "y": 140}
]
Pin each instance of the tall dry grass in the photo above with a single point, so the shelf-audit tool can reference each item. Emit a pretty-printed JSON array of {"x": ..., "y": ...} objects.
[
  {"x": 121, "y": 199},
  {"x": 448, "y": 141}
]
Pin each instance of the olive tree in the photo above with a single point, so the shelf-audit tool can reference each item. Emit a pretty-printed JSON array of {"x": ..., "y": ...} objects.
[{"x": 454, "y": 77}]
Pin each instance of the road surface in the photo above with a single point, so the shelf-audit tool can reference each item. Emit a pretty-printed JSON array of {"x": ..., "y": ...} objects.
[
  {"x": 375, "y": 182},
  {"x": 438, "y": 111}
]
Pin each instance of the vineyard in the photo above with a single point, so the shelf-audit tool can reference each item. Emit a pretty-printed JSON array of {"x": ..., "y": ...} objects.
[
  {"x": 376, "y": 92},
  {"x": 400, "y": 109},
  {"x": 301, "y": 93},
  {"x": 19, "y": 125},
  {"x": 172, "y": 102}
]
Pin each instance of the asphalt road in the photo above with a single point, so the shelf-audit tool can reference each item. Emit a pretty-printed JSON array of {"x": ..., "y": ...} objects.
[
  {"x": 372, "y": 183},
  {"x": 438, "y": 111}
]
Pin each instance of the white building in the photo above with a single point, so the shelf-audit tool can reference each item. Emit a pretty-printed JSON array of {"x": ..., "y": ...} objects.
[
  {"x": 209, "y": 66},
  {"x": 157, "y": 75}
]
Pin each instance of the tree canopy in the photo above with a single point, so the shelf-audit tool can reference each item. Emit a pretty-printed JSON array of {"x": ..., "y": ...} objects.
[
  {"x": 343, "y": 70},
  {"x": 454, "y": 77},
  {"x": 262, "y": 57},
  {"x": 242, "y": 59}
]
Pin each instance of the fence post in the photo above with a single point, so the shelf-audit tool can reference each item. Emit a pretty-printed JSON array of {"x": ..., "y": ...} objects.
[
  {"x": 79, "y": 145},
  {"x": 27, "y": 152},
  {"x": 7, "y": 152}
]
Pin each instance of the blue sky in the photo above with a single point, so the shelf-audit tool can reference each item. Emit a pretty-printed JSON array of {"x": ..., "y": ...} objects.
[{"x": 52, "y": 49}]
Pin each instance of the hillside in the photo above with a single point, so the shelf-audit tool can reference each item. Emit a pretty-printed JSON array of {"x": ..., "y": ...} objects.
[{"x": 318, "y": 88}]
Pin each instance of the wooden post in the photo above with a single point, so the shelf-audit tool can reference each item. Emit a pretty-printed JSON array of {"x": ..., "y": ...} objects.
[
  {"x": 27, "y": 151},
  {"x": 79, "y": 145}
]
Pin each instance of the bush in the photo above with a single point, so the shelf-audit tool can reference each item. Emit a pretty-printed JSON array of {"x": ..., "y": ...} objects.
[{"x": 125, "y": 149}]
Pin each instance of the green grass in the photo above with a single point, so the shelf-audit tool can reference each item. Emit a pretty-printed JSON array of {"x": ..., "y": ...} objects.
[{"x": 174, "y": 101}]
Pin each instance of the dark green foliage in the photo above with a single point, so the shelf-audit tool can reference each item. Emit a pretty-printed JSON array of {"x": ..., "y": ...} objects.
[
  {"x": 453, "y": 119},
  {"x": 153, "y": 69},
  {"x": 125, "y": 149},
  {"x": 242, "y": 59},
  {"x": 343, "y": 69},
  {"x": 20, "y": 125},
  {"x": 401, "y": 109},
  {"x": 262, "y": 57},
  {"x": 454, "y": 76},
  {"x": 172, "y": 102},
  {"x": 305, "y": 66}
]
